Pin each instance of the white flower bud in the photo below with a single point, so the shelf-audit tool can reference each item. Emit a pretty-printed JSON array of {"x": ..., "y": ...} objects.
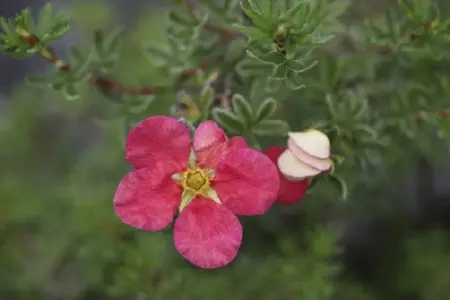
[
  {"x": 307, "y": 155},
  {"x": 313, "y": 142},
  {"x": 316, "y": 163},
  {"x": 294, "y": 169}
]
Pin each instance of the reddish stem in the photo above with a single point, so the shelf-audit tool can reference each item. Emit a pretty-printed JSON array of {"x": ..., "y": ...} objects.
[
  {"x": 226, "y": 33},
  {"x": 102, "y": 82}
]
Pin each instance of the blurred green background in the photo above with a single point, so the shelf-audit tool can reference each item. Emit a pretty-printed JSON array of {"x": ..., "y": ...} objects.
[{"x": 60, "y": 164}]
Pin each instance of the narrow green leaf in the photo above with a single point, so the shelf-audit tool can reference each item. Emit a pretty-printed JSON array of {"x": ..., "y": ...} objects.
[
  {"x": 27, "y": 20},
  {"x": 271, "y": 128},
  {"x": 266, "y": 110},
  {"x": 271, "y": 58},
  {"x": 60, "y": 28},
  {"x": 174, "y": 44},
  {"x": 181, "y": 19},
  {"x": 158, "y": 56},
  {"x": 339, "y": 184},
  {"x": 108, "y": 65},
  {"x": 294, "y": 10},
  {"x": 141, "y": 104},
  {"x": 253, "y": 33},
  {"x": 229, "y": 5},
  {"x": 45, "y": 19},
  {"x": 5, "y": 27},
  {"x": 70, "y": 92},
  {"x": 57, "y": 86},
  {"x": 75, "y": 55},
  {"x": 294, "y": 82},
  {"x": 206, "y": 101},
  {"x": 235, "y": 50},
  {"x": 268, "y": 8},
  {"x": 41, "y": 81},
  {"x": 273, "y": 85},
  {"x": 112, "y": 41},
  {"x": 242, "y": 110},
  {"x": 3, "y": 38},
  {"x": 227, "y": 120},
  {"x": 256, "y": 17},
  {"x": 313, "y": 182},
  {"x": 254, "y": 6},
  {"x": 82, "y": 66},
  {"x": 99, "y": 40},
  {"x": 250, "y": 67},
  {"x": 390, "y": 22},
  {"x": 279, "y": 72},
  {"x": 298, "y": 66}
]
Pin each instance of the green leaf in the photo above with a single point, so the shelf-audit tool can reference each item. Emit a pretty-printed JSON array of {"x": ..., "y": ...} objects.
[
  {"x": 112, "y": 41},
  {"x": 294, "y": 10},
  {"x": 140, "y": 104},
  {"x": 227, "y": 120},
  {"x": 271, "y": 128},
  {"x": 271, "y": 58},
  {"x": 279, "y": 72},
  {"x": 206, "y": 101},
  {"x": 59, "y": 29},
  {"x": 235, "y": 50},
  {"x": 253, "y": 33},
  {"x": 339, "y": 184},
  {"x": 158, "y": 56},
  {"x": 181, "y": 19},
  {"x": 99, "y": 40},
  {"x": 25, "y": 20},
  {"x": 6, "y": 27},
  {"x": 294, "y": 82},
  {"x": 242, "y": 110},
  {"x": 75, "y": 55},
  {"x": 298, "y": 66},
  {"x": 250, "y": 67},
  {"x": 70, "y": 92},
  {"x": 82, "y": 67},
  {"x": 256, "y": 17},
  {"x": 42, "y": 81},
  {"x": 266, "y": 110},
  {"x": 45, "y": 21},
  {"x": 313, "y": 182},
  {"x": 268, "y": 8},
  {"x": 273, "y": 85}
]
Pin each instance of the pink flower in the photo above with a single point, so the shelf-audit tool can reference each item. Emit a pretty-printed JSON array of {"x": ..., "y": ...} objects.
[
  {"x": 209, "y": 182},
  {"x": 290, "y": 192}
]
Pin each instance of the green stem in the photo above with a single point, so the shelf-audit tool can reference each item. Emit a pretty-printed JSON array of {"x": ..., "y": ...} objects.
[{"x": 252, "y": 140}]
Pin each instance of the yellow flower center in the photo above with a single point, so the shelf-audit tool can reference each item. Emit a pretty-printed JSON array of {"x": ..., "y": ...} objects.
[{"x": 195, "y": 181}]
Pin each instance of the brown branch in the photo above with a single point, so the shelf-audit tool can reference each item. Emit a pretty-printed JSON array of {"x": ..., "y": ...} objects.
[
  {"x": 226, "y": 33},
  {"x": 109, "y": 84}
]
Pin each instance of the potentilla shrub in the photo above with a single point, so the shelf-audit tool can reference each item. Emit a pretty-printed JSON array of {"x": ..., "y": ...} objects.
[{"x": 275, "y": 102}]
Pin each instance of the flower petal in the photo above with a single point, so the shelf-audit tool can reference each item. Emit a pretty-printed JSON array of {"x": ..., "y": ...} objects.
[
  {"x": 313, "y": 142},
  {"x": 147, "y": 198},
  {"x": 156, "y": 139},
  {"x": 293, "y": 168},
  {"x": 247, "y": 182},
  {"x": 290, "y": 191},
  {"x": 210, "y": 144},
  {"x": 312, "y": 161},
  {"x": 238, "y": 142},
  {"x": 207, "y": 234}
]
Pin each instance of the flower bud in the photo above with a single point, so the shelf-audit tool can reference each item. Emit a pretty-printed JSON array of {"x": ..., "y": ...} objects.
[{"x": 308, "y": 155}]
